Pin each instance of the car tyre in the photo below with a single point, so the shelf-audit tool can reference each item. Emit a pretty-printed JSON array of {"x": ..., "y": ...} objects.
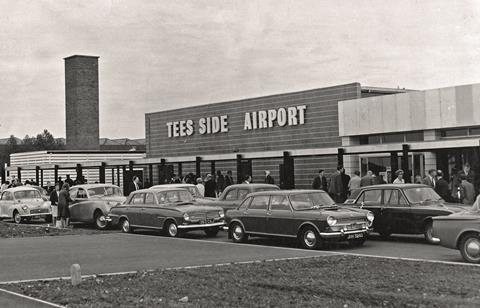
[
  {"x": 212, "y": 231},
  {"x": 237, "y": 233},
  {"x": 310, "y": 239},
  {"x": 171, "y": 229},
  {"x": 470, "y": 248},
  {"x": 17, "y": 218},
  {"x": 125, "y": 225},
  {"x": 100, "y": 220},
  {"x": 428, "y": 233}
]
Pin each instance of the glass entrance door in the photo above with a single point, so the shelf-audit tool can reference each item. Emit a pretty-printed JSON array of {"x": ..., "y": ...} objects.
[{"x": 380, "y": 165}]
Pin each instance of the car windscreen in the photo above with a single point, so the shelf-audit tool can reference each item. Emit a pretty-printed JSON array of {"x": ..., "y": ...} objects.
[
  {"x": 104, "y": 191},
  {"x": 41, "y": 190},
  {"x": 174, "y": 196},
  {"x": 305, "y": 201},
  {"x": 27, "y": 194},
  {"x": 421, "y": 194}
]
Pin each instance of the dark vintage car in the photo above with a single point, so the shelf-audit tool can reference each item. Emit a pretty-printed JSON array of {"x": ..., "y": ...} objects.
[
  {"x": 460, "y": 231},
  {"x": 92, "y": 202},
  {"x": 172, "y": 211},
  {"x": 233, "y": 195},
  {"x": 310, "y": 216},
  {"x": 402, "y": 208}
]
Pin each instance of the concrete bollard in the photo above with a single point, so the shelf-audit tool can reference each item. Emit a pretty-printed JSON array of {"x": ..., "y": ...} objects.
[{"x": 75, "y": 274}]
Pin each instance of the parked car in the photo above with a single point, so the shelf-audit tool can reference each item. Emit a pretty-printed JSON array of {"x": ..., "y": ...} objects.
[
  {"x": 24, "y": 203},
  {"x": 460, "y": 231},
  {"x": 310, "y": 216},
  {"x": 172, "y": 211},
  {"x": 92, "y": 202},
  {"x": 403, "y": 208},
  {"x": 190, "y": 187},
  {"x": 233, "y": 195}
]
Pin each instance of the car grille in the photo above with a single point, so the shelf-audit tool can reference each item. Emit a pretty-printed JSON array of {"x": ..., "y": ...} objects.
[
  {"x": 350, "y": 220},
  {"x": 38, "y": 211},
  {"x": 213, "y": 214}
]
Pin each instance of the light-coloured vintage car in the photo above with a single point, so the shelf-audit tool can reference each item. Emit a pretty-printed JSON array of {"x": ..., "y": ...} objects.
[
  {"x": 24, "y": 203},
  {"x": 92, "y": 202},
  {"x": 461, "y": 231}
]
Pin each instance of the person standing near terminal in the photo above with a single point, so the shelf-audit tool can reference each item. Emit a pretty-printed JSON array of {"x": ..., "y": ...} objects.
[
  {"x": 336, "y": 189},
  {"x": 399, "y": 177},
  {"x": 442, "y": 188},
  {"x": 200, "y": 187},
  {"x": 229, "y": 179},
  {"x": 210, "y": 187},
  {"x": 345, "y": 181},
  {"x": 354, "y": 182},
  {"x": 430, "y": 178},
  {"x": 54, "y": 203},
  {"x": 268, "y": 178},
  {"x": 63, "y": 202},
  {"x": 320, "y": 181},
  {"x": 467, "y": 191},
  {"x": 248, "y": 180},
  {"x": 68, "y": 180},
  {"x": 134, "y": 185},
  {"x": 220, "y": 182},
  {"x": 368, "y": 179}
]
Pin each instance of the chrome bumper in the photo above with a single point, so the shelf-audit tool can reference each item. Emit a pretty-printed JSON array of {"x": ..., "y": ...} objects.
[
  {"x": 342, "y": 233},
  {"x": 36, "y": 215},
  {"x": 199, "y": 226}
]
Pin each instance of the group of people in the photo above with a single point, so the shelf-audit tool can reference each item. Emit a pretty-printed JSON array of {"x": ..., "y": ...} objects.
[
  {"x": 460, "y": 188},
  {"x": 212, "y": 186},
  {"x": 60, "y": 200}
]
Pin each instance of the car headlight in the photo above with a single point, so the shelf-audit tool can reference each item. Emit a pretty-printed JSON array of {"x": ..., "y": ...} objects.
[
  {"x": 331, "y": 221},
  {"x": 370, "y": 216},
  {"x": 25, "y": 208},
  {"x": 186, "y": 217},
  {"x": 221, "y": 213}
]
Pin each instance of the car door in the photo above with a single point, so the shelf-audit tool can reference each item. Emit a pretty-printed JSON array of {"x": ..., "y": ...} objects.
[
  {"x": 77, "y": 207},
  {"x": 135, "y": 209},
  {"x": 6, "y": 203},
  {"x": 150, "y": 212},
  {"x": 280, "y": 216},
  {"x": 371, "y": 199},
  {"x": 255, "y": 216},
  {"x": 396, "y": 213}
]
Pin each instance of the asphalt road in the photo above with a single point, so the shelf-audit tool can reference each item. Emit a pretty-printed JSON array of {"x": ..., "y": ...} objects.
[{"x": 45, "y": 257}]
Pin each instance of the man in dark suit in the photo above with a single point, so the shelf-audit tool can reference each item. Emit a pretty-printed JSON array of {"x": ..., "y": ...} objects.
[
  {"x": 337, "y": 189},
  {"x": 229, "y": 179},
  {"x": 368, "y": 179},
  {"x": 134, "y": 185},
  {"x": 430, "y": 179},
  {"x": 442, "y": 187},
  {"x": 320, "y": 181},
  {"x": 268, "y": 178}
]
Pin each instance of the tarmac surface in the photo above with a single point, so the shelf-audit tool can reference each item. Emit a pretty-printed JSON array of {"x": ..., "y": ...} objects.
[{"x": 48, "y": 257}]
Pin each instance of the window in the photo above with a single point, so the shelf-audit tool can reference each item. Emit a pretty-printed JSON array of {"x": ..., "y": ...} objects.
[
  {"x": 301, "y": 201},
  {"x": 7, "y": 196},
  {"x": 231, "y": 195},
  {"x": 414, "y": 136},
  {"x": 81, "y": 193},
  {"x": 373, "y": 139},
  {"x": 242, "y": 193},
  {"x": 149, "y": 199},
  {"x": 73, "y": 193},
  {"x": 373, "y": 196},
  {"x": 474, "y": 131},
  {"x": 279, "y": 203},
  {"x": 27, "y": 194},
  {"x": 245, "y": 203},
  {"x": 161, "y": 198},
  {"x": 457, "y": 132},
  {"x": 394, "y": 197},
  {"x": 259, "y": 203},
  {"x": 137, "y": 199},
  {"x": 393, "y": 138}
]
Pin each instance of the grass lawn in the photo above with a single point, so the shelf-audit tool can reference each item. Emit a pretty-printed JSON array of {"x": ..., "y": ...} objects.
[
  {"x": 10, "y": 229},
  {"x": 334, "y": 281}
]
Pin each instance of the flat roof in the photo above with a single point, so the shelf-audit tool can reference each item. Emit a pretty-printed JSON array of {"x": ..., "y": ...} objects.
[{"x": 80, "y": 56}]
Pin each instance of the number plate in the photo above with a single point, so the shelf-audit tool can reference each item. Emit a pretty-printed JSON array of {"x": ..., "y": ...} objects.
[{"x": 354, "y": 236}]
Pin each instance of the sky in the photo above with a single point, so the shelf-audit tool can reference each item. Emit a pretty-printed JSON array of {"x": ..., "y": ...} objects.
[{"x": 159, "y": 55}]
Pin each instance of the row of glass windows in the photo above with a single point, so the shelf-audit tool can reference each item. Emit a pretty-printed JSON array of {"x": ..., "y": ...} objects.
[
  {"x": 460, "y": 132},
  {"x": 392, "y": 138}
]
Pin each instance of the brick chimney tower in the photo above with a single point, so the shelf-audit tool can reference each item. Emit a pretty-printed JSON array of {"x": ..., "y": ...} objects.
[{"x": 81, "y": 103}]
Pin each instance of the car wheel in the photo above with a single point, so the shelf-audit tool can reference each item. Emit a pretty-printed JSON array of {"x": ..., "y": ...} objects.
[
  {"x": 125, "y": 224},
  {"x": 17, "y": 218},
  {"x": 172, "y": 229},
  {"x": 100, "y": 221},
  {"x": 212, "y": 231},
  {"x": 237, "y": 233},
  {"x": 309, "y": 238},
  {"x": 428, "y": 233},
  {"x": 470, "y": 248}
]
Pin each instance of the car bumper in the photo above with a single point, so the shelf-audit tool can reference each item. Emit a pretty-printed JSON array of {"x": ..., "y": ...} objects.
[
  {"x": 36, "y": 215},
  {"x": 343, "y": 234},
  {"x": 202, "y": 226}
]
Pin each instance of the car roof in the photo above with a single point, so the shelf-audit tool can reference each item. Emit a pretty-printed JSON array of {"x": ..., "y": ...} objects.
[
  {"x": 20, "y": 188},
  {"x": 253, "y": 185},
  {"x": 177, "y": 185},
  {"x": 285, "y": 192},
  {"x": 87, "y": 186},
  {"x": 407, "y": 185},
  {"x": 145, "y": 190}
]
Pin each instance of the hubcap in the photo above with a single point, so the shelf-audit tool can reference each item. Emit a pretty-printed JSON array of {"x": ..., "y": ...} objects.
[
  {"x": 101, "y": 221},
  {"x": 237, "y": 232},
  {"x": 172, "y": 229},
  {"x": 309, "y": 238},
  {"x": 472, "y": 247},
  {"x": 126, "y": 226},
  {"x": 18, "y": 218}
]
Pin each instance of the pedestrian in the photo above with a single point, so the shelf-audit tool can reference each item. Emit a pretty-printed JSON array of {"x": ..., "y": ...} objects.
[
  {"x": 442, "y": 187},
  {"x": 200, "y": 187},
  {"x": 469, "y": 174},
  {"x": 268, "y": 178},
  {"x": 54, "y": 194},
  {"x": 336, "y": 188},
  {"x": 354, "y": 182},
  {"x": 320, "y": 181},
  {"x": 60, "y": 181},
  {"x": 367, "y": 179},
  {"x": 345, "y": 181},
  {"x": 210, "y": 187},
  {"x": 248, "y": 180},
  {"x": 220, "y": 181},
  {"x": 134, "y": 185},
  {"x": 4, "y": 185},
  {"x": 229, "y": 179},
  {"x": 430, "y": 179},
  {"x": 69, "y": 181},
  {"x": 418, "y": 179},
  {"x": 467, "y": 191},
  {"x": 63, "y": 202},
  {"x": 399, "y": 177}
]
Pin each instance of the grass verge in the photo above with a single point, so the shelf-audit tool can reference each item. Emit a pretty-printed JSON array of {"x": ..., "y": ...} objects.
[
  {"x": 12, "y": 230},
  {"x": 335, "y": 281}
]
